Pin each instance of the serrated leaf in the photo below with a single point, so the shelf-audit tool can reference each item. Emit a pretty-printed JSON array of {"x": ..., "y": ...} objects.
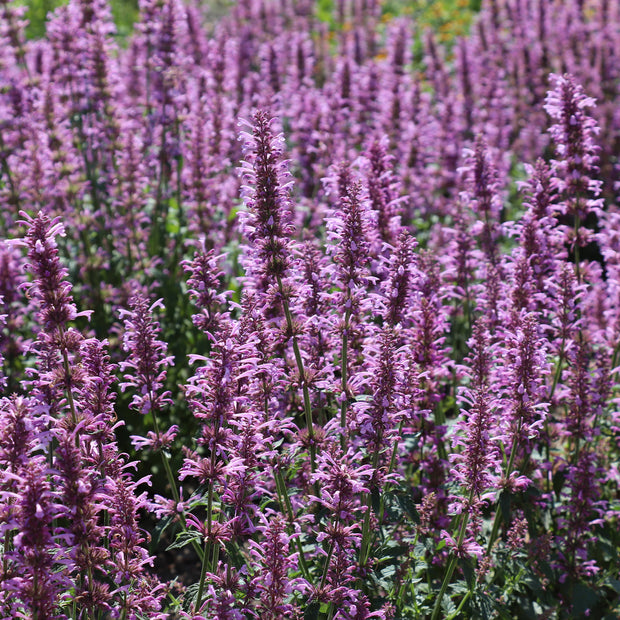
[
  {"x": 448, "y": 605},
  {"x": 408, "y": 505},
  {"x": 532, "y": 582},
  {"x": 190, "y": 597},
  {"x": 159, "y": 529},
  {"x": 393, "y": 551},
  {"x": 558, "y": 482},
  {"x": 183, "y": 539}
]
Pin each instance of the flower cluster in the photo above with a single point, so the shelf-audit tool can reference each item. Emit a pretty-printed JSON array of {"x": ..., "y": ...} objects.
[{"x": 380, "y": 377}]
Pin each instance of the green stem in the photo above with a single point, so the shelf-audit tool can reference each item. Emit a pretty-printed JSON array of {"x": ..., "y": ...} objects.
[
  {"x": 124, "y": 613},
  {"x": 344, "y": 372},
  {"x": 327, "y": 561},
  {"x": 509, "y": 468},
  {"x": 302, "y": 373},
  {"x": 285, "y": 502},
  {"x": 67, "y": 369},
  {"x": 203, "y": 573},
  {"x": 464, "y": 519},
  {"x": 577, "y": 252},
  {"x": 558, "y": 370},
  {"x": 395, "y": 447},
  {"x": 366, "y": 500},
  {"x": 461, "y": 605},
  {"x": 173, "y": 486}
]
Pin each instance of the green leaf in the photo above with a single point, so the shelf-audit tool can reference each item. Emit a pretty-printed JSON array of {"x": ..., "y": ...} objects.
[
  {"x": 375, "y": 496},
  {"x": 408, "y": 505},
  {"x": 585, "y": 599},
  {"x": 448, "y": 605},
  {"x": 190, "y": 597},
  {"x": 312, "y": 611},
  {"x": 614, "y": 584},
  {"x": 159, "y": 529},
  {"x": 558, "y": 482},
  {"x": 504, "y": 504},
  {"x": 183, "y": 539},
  {"x": 467, "y": 567}
]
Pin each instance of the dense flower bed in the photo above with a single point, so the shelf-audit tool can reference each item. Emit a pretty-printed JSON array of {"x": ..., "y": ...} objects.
[{"x": 328, "y": 307}]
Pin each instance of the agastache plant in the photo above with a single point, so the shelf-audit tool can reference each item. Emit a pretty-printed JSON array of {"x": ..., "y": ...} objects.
[
  {"x": 268, "y": 228},
  {"x": 303, "y": 315}
]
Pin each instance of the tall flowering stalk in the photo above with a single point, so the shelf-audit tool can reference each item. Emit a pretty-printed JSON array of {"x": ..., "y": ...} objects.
[
  {"x": 204, "y": 284},
  {"x": 56, "y": 306},
  {"x": 268, "y": 227},
  {"x": 82, "y": 500},
  {"x": 477, "y": 467},
  {"x": 210, "y": 395},
  {"x": 12, "y": 310},
  {"x": 35, "y": 548},
  {"x": 126, "y": 544},
  {"x": 342, "y": 485},
  {"x": 574, "y": 171},
  {"x": 145, "y": 371},
  {"x": 377, "y": 422},
  {"x": 147, "y": 361},
  {"x": 523, "y": 376},
  {"x": 349, "y": 227},
  {"x": 272, "y": 583},
  {"x": 24, "y": 480},
  {"x": 400, "y": 282}
]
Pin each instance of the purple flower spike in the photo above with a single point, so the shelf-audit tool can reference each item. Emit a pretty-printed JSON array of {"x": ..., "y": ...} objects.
[
  {"x": 574, "y": 132},
  {"x": 266, "y": 196},
  {"x": 477, "y": 467},
  {"x": 36, "y": 583},
  {"x": 204, "y": 283},
  {"x": 50, "y": 286},
  {"x": 273, "y": 584},
  {"x": 147, "y": 361}
]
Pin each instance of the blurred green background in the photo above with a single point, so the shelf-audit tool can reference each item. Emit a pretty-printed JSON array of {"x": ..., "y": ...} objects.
[{"x": 448, "y": 18}]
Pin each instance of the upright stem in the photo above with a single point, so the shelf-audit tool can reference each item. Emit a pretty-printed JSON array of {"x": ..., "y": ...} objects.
[
  {"x": 344, "y": 372},
  {"x": 366, "y": 500},
  {"x": 509, "y": 468},
  {"x": 67, "y": 369},
  {"x": 302, "y": 373},
  {"x": 453, "y": 559},
  {"x": 577, "y": 252},
  {"x": 203, "y": 573},
  {"x": 173, "y": 486},
  {"x": 285, "y": 502}
]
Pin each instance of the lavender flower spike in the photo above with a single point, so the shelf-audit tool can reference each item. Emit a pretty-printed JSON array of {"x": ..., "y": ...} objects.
[
  {"x": 266, "y": 196},
  {"x": 50, "y": 285},
  {"x": 147, "y": 356}
]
